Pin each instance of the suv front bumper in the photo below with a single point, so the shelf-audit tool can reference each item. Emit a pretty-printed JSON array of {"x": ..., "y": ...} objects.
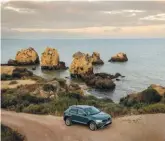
[{"x": 103, "y": 124}]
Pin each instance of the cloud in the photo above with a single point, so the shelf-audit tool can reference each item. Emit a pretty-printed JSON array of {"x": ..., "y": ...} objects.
[
  {"x": 123, "y": 11},
  {"x": 19, "y": 10},
  {"x": 94, "y": 18},
  {"x": 157, "y": 17}
]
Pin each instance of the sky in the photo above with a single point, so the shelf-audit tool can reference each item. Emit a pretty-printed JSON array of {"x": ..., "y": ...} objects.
[{"x": 82, "y": 19}]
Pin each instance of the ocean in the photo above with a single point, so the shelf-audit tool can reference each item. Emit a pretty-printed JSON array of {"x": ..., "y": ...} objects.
[{"x": 145, "y": 66}]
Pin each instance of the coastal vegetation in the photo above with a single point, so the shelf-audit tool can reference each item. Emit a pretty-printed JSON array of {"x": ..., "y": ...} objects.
[
  {"x": 26, "y": 101},
  {"x": 8, "y": 134}
]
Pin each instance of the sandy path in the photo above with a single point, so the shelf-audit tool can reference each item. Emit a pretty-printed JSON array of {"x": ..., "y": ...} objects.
[{"x": 51, "y": 128}]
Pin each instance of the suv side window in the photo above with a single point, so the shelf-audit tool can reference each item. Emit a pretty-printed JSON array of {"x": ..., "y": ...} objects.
[
  {"x": 73, "y": 111},
  {"x": 81, "y": 112}
]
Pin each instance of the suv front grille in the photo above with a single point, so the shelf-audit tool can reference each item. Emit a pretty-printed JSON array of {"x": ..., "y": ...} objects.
[{"x": 105, "y": 120}]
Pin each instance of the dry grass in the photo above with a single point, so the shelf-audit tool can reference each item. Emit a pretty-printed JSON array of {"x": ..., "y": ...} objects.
[{"x": 7, "y": 69}]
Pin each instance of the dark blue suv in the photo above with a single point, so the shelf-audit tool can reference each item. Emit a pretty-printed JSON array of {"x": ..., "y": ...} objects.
[{"x": 88, "y": 115}]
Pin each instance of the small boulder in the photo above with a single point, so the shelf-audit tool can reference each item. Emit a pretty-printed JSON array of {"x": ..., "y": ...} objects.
[
  {"x": 12, "y": 62},
  {"x": 26, "y": 57},
  {"x": 104, "y": 84},
  {"x": 34, "y": 68},
  {"x": 120, "y": 57},
  {"x": 101, "y": 83}
]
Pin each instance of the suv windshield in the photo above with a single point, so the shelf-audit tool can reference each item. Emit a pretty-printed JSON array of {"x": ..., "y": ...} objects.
[{"x": 92, "y": 111}]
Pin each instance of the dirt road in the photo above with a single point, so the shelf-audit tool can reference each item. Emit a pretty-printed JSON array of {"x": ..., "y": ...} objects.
[{"x": 51, "y": 128}]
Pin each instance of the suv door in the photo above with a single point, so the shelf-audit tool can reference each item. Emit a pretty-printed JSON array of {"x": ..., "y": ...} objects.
[
  {"x": 82, "y": 116},
  {"x": 73, "y": 113}
]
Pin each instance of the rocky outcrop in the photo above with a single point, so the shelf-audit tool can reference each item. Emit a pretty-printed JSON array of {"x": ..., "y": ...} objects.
[
  {"x": 50, "y": 60},
  {"x": 101, "y": 80},
  {"x": 120, "y": 57},
  {"x": 82, "y": 68},
  {"x": 25, "y": 57},
  {"x": 81, "y": 65},
  {"x": 153, "y": 94},
  {"x": 96, "y": 59},
  {"x": 11, "y": 72},
  {"x": 160, "y": 89}
]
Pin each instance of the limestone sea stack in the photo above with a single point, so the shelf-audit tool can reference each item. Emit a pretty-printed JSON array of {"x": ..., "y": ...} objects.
[
  {"x": 50, "y": 60},
  {"x": 120, "y": 57},
  {"x": 25, "y": 57},
  {"x": 81, "y": 65},
  {"x": 96, "y": 59}
]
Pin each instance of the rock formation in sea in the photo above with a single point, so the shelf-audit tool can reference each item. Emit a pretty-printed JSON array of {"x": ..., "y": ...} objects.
[
  {"x": 96, "y": 59},
  {"x": 81, "y": 65},
  {"x": 25, "y": 57},
  {"x": 50, "y": 60},
  {"x": 120, "y": 57},
  {"x": 82, "y": 68}
]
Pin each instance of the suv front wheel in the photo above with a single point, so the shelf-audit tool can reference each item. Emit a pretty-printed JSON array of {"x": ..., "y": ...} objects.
[
  {"x": 68, "y": 121},
  {"x": 92, "y": 126}
]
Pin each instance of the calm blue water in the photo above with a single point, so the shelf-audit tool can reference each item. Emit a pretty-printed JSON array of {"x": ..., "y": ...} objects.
[{"x": 146, "y": 63}]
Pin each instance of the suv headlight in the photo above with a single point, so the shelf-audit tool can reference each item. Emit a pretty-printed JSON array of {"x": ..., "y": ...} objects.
[{"x": 98, "y": 121}]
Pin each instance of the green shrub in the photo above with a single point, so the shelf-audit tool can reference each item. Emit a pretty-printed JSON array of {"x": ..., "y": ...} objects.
[
  {"x": 35, "y": 109},
  {"x": 153, "y": 108},
  {"x": 18, "y": 102},
  {"x": 139, "y": 105},
  {"x": 49, "y": 87},
  {"x": 6, "y": 77},
  {"x": 163, "y": 99},
  {"x": 8, "y": 100},
  {"x": 128, "y": 101},
  {"x": 60, "y": 105},
  {"x": 7, "y": 134},
  {"x": 114, "y": 109}
]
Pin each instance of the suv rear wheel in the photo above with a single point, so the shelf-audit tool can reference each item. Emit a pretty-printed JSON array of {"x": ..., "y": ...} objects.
[
  {"x": 92, "y": 126},
  {"x": 68, "y": 121}
]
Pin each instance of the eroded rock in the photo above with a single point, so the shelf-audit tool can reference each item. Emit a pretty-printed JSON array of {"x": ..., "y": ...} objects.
[
  {"x": 81, "y": 65},
  {"x": 120, "y": 57},
  {"x": 26, "y": 57},
  {"x": 50, "y": 60},
  {"x": 96, "y": 59},
  {"x": 100, "y": 81}
]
